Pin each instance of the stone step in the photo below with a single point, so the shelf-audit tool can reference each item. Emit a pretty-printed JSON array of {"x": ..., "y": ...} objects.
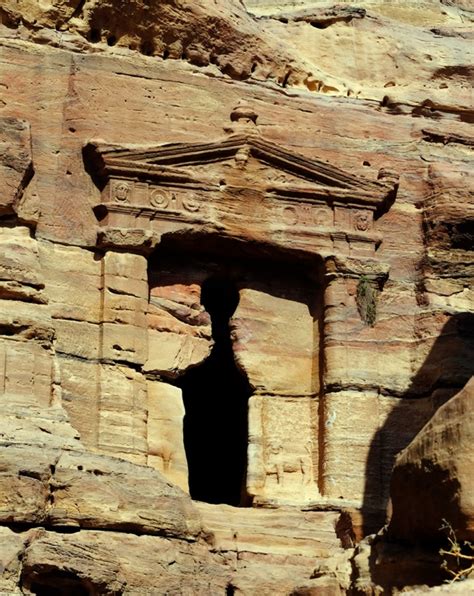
[{"x": 283, "y": 531}]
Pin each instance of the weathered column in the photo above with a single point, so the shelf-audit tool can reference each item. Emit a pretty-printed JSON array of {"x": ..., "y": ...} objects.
[
  {"x": 165, "y": 432},
  {"x": 350, "y": 416},
  {"x": 122, "y": 402}
]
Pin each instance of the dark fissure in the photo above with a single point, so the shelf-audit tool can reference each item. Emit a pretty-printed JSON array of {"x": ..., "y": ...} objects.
[
  {"x": 57, "y": 583},
  {"x": 215, "y": 396}
]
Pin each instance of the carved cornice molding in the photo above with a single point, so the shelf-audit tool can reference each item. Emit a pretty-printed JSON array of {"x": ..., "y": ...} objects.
[
  {"x": 164, "y": 164},
  {"x": 352, "y": 267},
  {"x": 241, "y": 184}
]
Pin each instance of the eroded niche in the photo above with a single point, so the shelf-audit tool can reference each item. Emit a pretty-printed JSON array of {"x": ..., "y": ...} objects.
[
  {"x": 240, "y": 338},
  {"x": 215, "y": 395}
]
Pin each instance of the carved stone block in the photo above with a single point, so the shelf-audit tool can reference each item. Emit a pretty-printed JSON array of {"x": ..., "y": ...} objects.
[
  {"x": 78, "y": 338},
  {"x": 165, "y": 432},
  {"x": 179, "y": 330},
  {"x": 275, "y": 339},
  {"x": 123, "y": 412},
  {"x": 171, "y": 354},
  {"x": 351, "y": 421},
  {"x": 80, "y": 383},
  {"x": 21, "y": 277},
  {"x": 16, "y": 166},
  {"x": 125, "y": 298},
  {"x": 26, "y": 373},
  {"x": 283, "y": 448},
  {"x": 73, "y": 282}
]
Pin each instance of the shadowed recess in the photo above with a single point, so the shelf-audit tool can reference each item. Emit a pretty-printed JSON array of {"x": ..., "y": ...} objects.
[
  {"x": 215, "y": 396},
  {"x": 58, "y": 583}
]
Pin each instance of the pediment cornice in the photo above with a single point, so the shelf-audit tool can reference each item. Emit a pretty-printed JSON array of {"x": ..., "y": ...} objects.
[
  {"x": 242, "y": 185},
  {"x": 173, "y": 163}
]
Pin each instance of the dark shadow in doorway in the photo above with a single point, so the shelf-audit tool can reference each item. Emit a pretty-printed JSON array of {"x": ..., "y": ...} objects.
[{"x": 215, "y": 396}]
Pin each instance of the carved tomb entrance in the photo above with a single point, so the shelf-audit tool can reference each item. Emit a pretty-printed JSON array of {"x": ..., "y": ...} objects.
[
  {"x": 264, "y": 318},
  {"x": 215, "y": 396},
  {"x": 267, "y": 204}
]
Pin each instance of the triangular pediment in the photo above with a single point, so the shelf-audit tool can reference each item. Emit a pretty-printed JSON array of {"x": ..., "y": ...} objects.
[{"x": 237, "y": 160}]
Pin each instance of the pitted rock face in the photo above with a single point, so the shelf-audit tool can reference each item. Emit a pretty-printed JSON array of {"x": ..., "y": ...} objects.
[
  {"x": 283, "y": 42},
  {"x": 16, "y": 166}
]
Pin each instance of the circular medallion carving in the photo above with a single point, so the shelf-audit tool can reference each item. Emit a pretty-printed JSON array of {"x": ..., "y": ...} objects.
[
  {"x": 290, "y": 216},
  {"x": 320, "y": 217},
  {"x": 362, "y": 222},
  {"x": 190, "y": 204},
  {"x": 121, "y": 192},
  {"x": 159, "y": 199}
]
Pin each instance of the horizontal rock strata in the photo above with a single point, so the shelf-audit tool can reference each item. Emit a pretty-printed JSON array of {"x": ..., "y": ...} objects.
[{"x": 235, "y": 267}]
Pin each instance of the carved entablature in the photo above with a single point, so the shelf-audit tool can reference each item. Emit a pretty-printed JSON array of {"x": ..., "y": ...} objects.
[{"x": 243, "y": 186}]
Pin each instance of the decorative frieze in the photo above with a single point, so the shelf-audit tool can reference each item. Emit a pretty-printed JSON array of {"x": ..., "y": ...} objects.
[
  {"x": 307, "y": 215},
  {"x": 282, "y": 196},
  {"x": 140, "y": 197}
]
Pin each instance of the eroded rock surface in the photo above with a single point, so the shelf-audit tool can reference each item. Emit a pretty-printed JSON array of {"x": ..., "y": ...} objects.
[
  {"x": 235, "y": 266},
  {"x": 372, "y": 43},
  {"x": 16, "y": 164},
  {"x": 432, "y": 477},
  {"x": 49, "y": 479}
]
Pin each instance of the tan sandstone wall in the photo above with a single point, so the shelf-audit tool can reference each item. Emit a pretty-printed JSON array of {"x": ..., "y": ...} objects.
[
  {"x": 86, "y": 328},
  {"x": 69, "y": 98}
]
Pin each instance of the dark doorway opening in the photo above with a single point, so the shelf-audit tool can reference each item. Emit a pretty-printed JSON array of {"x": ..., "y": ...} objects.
[
  {"x": 215, "y": 396},
  {"x": 57, "y": 583}
]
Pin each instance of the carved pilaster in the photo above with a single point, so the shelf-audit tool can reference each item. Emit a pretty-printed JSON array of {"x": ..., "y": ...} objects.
[
  {"x": 124, "y": 343},
  {"x": 342, "y": 326}
]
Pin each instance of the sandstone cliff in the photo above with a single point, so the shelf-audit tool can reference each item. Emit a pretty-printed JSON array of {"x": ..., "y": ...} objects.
[{"x": 235, "y": 269}]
